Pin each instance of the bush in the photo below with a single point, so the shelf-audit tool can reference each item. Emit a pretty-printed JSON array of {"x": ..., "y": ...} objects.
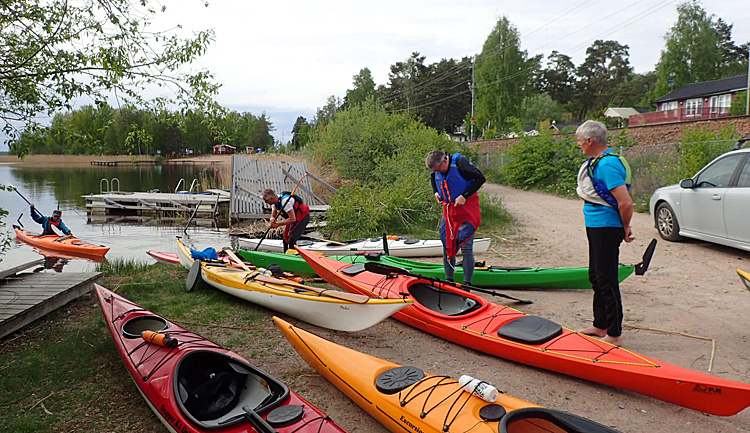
[
  {"x": 381, "y": 155},
  {"x": 546, "y": 162}
]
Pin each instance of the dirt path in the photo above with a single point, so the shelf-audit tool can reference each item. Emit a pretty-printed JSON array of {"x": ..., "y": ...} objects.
[{"x": 691, "y": 287}]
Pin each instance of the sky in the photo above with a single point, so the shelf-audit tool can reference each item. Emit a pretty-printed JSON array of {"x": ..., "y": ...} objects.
[{"x": 285, "y": 58}]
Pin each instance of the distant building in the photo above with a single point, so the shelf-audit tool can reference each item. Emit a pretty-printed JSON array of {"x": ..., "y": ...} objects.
[
  {"x": 695, "y": 101},
  {"x": 224, "y": 149}
]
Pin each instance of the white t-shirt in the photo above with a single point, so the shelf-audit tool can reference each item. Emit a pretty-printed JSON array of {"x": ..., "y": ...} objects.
[{"x": 288, "y": 204}]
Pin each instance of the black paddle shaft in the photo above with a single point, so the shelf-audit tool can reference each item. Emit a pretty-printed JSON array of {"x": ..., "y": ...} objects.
[{"x": 379, "y": 268}]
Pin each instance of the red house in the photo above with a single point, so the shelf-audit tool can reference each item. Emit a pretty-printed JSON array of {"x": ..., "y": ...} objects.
[
  {"x": 695, "y": 101},
  {"x": 224, "y": 149}
]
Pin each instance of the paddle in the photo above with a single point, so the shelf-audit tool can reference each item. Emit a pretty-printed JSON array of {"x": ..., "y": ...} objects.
[
  {"x": 55, "y": 229},
  {"x": 745, "y": 278},
  {"x": 642, "y": 267},
  {"x": 344, "y": 296},
  {"x": 234, "y": 257},
  {"x": 379, "y": 268}
]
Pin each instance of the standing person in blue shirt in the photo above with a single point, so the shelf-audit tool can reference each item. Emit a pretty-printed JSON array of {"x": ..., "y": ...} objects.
[
  {"x": 603, "y": 183},
  {"x": 48, "y": 222}
]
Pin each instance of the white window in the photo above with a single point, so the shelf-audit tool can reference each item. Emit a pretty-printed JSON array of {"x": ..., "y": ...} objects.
[
  {"x": 666, "y": 106},
  {"x": 713, "y": 104},
  {"x": 725, "y": 101},
  {"x": 694, "y": 107}
]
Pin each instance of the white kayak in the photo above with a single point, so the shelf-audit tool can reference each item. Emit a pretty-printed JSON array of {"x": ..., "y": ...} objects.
[{"x": 400, "y": 247}]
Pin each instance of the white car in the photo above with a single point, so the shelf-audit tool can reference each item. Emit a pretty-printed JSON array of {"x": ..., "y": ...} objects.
[{"x": 713, "y": 205}]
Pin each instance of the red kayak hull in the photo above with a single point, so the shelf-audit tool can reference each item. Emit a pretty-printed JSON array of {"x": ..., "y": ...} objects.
[
  {"x": 153, "y": 369},
  {"x": 568, "y": 353}
]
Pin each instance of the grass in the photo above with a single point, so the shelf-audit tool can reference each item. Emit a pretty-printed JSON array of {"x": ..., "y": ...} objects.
[{"x": 63, "y": 373}]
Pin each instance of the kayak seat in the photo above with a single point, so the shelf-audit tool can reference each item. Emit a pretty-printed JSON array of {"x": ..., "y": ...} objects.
[
  {"x": 442, "y": 301},
  {"x": 211, "y": 388},
  {"x": 412, "y": 241},
  {"x": 530, "y": 330},
  {"x": 353, "y": 269},
  {"x": 304, "y": 243}
]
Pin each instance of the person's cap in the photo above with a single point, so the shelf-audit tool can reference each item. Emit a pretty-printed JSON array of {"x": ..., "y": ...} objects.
[{"x": 57, "y": 212}]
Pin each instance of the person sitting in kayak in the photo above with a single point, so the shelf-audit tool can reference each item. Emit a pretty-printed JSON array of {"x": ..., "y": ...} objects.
[
  {"x": 295, "y": 212},
  {"x": 48, "y": 222},
  {"x": 455, "y": 182}
]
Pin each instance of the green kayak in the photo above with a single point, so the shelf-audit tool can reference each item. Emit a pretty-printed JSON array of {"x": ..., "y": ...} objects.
[{"x": 484, "y": 276}]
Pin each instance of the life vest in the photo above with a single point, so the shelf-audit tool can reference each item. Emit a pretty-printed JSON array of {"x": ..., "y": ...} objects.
[
  {"x": 451, "y": 184},
  {"x": 594, "y": 191},
  {"x": 300, "y": 208}
]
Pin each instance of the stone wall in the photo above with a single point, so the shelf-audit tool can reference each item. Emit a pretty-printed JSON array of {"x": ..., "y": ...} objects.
[{"x": 646, "y": 135}]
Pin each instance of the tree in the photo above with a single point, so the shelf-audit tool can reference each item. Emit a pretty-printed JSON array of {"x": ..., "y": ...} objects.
[
  {"x": 301, "y": 133},
  {"x": 324, "y": 115},
  {"x": 447, "y": 94},
  {"x": 503, "y": 76},
  {"x": 538, "y": 108},
  {"x": 734, "y": 57},
  {"x": 693, "y": 50},
  {"x": 404, "y": 90},
  {"x": 54, "y": 51},
  {"x": 364, "y": 87},
  {"x": 606, "y": 67},
  {"x": 558, "y": 79}
]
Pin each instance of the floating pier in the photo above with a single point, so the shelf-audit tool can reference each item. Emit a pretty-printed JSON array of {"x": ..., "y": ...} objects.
[{"x": 208, "y": 204}]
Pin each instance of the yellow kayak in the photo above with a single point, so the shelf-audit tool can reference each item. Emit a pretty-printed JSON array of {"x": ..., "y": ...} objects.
[
  {"x": 326, "y": 308},
  {"x": 405, "y": 399}
]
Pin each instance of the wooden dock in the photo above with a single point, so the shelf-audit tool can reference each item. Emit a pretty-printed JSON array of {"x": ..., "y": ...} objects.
[
  {"x": 26, "y": 297},
  {"x": 208, "y": 205},
  {"x": 118, "y": 162}
]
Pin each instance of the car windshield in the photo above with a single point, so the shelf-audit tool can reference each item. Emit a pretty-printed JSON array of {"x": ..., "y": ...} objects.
[{"x": 718, "y": 174}]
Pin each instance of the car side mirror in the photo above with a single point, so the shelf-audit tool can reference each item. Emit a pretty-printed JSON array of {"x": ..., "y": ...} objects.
[{"x": 687, "y": 183}]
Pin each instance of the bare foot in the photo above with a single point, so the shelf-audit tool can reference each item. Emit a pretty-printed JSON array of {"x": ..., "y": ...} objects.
[
  {"x": 615, "y": 341},
  {"x": 593, "y": 330}
]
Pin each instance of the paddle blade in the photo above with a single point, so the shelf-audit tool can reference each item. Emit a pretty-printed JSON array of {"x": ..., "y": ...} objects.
[
  {"x": 379, "y": 268},
  {"x": 745, "y": 278},
  {"x": 642, "y": 267}
]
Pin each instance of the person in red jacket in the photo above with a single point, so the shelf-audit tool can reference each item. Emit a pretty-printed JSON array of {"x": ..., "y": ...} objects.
[
  {"x": 295, "y": 212},
  {"x": 455, "y": 182}
]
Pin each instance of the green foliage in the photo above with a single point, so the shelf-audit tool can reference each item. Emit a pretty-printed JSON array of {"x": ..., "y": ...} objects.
[
  {"x": 698, "y": 48},
  {"x": 102, "y": 130},
  {"x": 504, "y": 75},
  {"x": 700, "y": 146},
  {"x": 739, "y": 104},
  {"x": 546, "y": 162},
  {"x": 54, "y": 52},
  {"x": 539, "y": 108},
  {"x": 607, "y": 66},
  {"x": 381, "y": 157},
  {"x": 364, "y": 88}
]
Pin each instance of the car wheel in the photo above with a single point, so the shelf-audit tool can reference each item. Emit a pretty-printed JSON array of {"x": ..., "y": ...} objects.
[{"x": 666, "y": 223}]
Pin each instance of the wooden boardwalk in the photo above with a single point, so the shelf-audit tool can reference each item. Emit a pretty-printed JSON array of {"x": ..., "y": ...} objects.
[{"x": 26, "y": 297}]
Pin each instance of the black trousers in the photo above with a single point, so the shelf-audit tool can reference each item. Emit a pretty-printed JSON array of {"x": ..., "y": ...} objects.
[
  {"x": 604, "y": 257},
  {"x": 295, "y": 232}
]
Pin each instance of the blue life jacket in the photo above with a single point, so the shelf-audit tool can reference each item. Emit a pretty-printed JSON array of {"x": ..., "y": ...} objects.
[
  {"x": 599, "y": 187},
  {"x": 451, "y": 184}
]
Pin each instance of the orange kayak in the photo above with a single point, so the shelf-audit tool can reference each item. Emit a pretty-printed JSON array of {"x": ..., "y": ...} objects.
[
  {"x": 406, "y": 399},
  {"x": 52, "y": 243}
]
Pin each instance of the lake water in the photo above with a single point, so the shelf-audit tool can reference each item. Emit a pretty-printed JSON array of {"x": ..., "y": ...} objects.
[{"x": 51, "y": 188}]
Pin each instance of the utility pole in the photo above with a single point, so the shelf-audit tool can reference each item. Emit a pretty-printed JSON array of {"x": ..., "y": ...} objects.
[
  {"x": 747, "y": 101},
  {"x": 474, "y": 119}
]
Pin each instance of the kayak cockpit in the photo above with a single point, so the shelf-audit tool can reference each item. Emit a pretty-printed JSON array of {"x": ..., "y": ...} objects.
[
  {"x": 443, "y": 301},
  {"x": 543, "y": 420},
  {"x": 212, "y": 388}
]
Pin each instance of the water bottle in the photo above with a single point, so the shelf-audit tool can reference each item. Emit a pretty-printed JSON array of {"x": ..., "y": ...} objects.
[{"x": 481, "y": 389}]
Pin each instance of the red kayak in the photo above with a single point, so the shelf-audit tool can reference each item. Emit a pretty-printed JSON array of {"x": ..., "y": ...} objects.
[
  {"x": 464, "y": 318},
  {"x": 194, "y": 385},
  {"x": 168, "y": 258}
]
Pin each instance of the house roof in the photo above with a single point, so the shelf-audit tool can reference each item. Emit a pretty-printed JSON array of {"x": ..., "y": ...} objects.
[
  {"x": 706, "y": 88},
  {"x": 621, "y": 112}
]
